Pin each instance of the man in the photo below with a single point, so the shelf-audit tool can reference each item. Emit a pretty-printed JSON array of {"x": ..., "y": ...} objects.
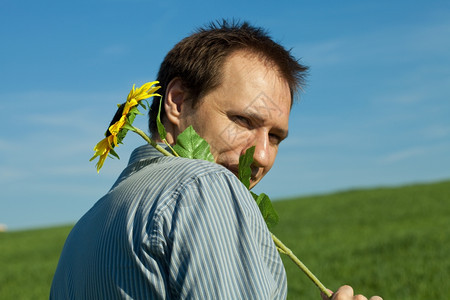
[{"x": 176, "y": 228}]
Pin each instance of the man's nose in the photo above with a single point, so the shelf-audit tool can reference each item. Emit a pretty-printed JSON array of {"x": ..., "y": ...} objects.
[{"x": 262, "y": 158}]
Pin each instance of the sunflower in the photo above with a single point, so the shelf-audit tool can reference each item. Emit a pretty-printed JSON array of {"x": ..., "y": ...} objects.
[
  {"x": 147, "y": 90},
  {"x": 116, "y": 128},
  {"x": 125, "y": 115},
  {"x": 102, "y": 149},
  {"x": 135, "y": 96}
]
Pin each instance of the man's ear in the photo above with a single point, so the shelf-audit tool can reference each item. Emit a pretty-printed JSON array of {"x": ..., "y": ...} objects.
[{"x": 175, "y": 96}]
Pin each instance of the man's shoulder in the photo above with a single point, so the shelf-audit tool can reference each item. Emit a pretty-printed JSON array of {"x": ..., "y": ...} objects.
[
  {"x": 145, "y": 161},
  {"x": 172, "y": 183},
  {"x": 185, "y": 179},
  {"x": 177, "y": 170},
  {"x": 198, "y": 166},
  {"x": 192, "y": 171}
]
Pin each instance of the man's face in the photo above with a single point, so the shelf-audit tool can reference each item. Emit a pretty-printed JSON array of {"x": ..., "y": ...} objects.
[{"x": 250, "y": 108}]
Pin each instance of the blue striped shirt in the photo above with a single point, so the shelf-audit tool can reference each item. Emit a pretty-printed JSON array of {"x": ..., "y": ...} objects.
[{"x": 171, "y": 228}]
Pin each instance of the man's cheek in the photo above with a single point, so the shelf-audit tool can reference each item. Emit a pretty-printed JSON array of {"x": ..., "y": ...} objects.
[{"x": 235, "y": 138}]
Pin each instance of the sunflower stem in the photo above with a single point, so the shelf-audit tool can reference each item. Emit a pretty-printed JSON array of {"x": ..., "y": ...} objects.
[
  {"x": 291, "y": 255},
  {"x": 170, "y": 147},
  {"x": 151, "y": 141}
]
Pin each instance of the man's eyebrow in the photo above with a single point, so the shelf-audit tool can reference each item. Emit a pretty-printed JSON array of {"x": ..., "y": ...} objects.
[{"x": 254, "y": 116}]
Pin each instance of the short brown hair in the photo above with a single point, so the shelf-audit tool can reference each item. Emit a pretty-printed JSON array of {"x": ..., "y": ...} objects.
[{"x": 198, "y": 59}]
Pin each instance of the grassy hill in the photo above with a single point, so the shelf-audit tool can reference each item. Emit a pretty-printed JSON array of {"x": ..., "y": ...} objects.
[
  {"x": 28, "y": 260},
  {"x": 391, "y": 241}
]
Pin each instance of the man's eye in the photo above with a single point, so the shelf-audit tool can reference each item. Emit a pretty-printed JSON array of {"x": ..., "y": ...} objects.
[
  {"x": 243, "y": 121},
  {"x": 275, "y": 139}
]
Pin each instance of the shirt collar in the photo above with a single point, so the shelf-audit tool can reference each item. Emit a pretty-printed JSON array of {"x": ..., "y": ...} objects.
[{"x": 145, "y": 152}]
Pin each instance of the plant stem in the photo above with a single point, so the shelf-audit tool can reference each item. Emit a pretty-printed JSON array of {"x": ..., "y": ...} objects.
[
  {"x": 170, "y": 147},
  {"x": 151, "y": 142},
  {"x": 288, "y": 252}
]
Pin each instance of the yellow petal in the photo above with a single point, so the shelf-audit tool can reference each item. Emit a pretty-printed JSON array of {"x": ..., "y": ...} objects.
[
  {"x": 115, "y": 128},
  {"x": 128, "y": 106},
  {"x": 101, "y": 147},
  {"x": 144, "y": 91},
  {"x": 155, "y": 94},
  {"x": 131, "y": 93},
  {"x": 132, "y": 102},
  {"x": 112, "y": 140},
  {"x": 143, "y": 88},
  {"x": 153, "y": 89},
  {"x": 146, "y": 86},
  {"x": 101, "y": 161}
]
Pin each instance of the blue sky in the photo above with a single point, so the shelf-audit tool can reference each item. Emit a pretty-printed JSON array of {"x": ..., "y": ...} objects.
[{"x": 375, "y": 112}]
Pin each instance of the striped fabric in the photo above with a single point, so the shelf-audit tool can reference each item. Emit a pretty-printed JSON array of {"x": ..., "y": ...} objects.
[{"x": 171, "y": 228}]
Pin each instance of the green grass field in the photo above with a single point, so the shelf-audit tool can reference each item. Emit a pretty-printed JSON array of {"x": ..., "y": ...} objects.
[{"x": 394, "y": 242}]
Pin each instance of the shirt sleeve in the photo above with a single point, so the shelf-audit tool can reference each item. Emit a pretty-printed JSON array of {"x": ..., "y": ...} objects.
[{"x": 216, "y": 243}]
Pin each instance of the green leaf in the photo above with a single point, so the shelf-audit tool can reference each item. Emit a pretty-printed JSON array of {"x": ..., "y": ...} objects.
[
  {"x": 191, "y": 145},
  {"x": 130, "y": 118},
  {"x": 114, "y": 153},
  {"x": 245, "y": 170},
  {"x": 134, "y": 111},
  {"x": 161, "y": 129},
  {"x": 263, "y": 201},
  {"x": 266, "y": 208},
  {"x": 128, "y": 126}
]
